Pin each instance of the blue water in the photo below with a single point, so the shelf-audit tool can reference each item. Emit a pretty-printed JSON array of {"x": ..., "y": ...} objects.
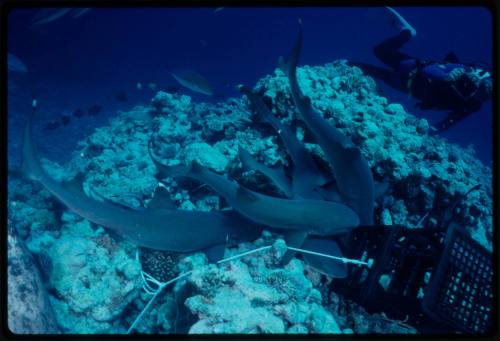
[{"x": 76, "y": 63}]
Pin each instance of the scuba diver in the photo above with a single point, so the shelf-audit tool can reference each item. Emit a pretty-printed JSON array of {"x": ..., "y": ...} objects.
[{"x": 459, "y": 88}]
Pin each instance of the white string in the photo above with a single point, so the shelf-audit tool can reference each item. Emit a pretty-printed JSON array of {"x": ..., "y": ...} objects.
[
  {"x": 244, "y": 254},
  {"x": 161, "y": 285},
  {"x": 158, "y": 291},
  {"x": 342, "y": 259},
  {"x": 421, "y": 220}
]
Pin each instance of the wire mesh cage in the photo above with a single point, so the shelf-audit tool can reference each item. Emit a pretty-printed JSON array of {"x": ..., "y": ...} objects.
[{"x": 439, "y": 279}]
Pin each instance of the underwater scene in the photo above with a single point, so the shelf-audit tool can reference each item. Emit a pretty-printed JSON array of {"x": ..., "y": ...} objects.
[{"x": 243, "y": 170}]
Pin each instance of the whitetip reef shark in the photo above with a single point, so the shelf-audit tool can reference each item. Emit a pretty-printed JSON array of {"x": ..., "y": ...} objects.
[
  {"x": 306, "y": 175},
  {"x": 318, "y": 217},
  {"x": 300, "y": 216},
  {"x": 158, "y": 226},
  {"x": 350, "y": 169}
]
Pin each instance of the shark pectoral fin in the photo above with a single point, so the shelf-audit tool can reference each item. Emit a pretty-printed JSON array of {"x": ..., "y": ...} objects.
[
  {"x": 330, "y": 267},
  {"x": 215, "y": 253},
  {"x": 275, "y": 175},
  {"x": 246, "y": 158},
  {"x": 293, "y": 239},
  {"x": 161, "y": 199},
  {"x": 164, "y": 170}
]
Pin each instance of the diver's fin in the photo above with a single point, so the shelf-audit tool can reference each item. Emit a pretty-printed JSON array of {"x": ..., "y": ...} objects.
[
  {"x": 161, "y": 199},
  {"x": 293, "y": 239},
  {"x": 451, "y": 57},
  {"x": 215, "y": 253},
  {"x": 330, "y": 267},
  {"x": 401, "y": 22}
]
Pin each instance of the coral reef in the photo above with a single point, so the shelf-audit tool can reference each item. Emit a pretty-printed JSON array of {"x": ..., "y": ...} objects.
[
  {"x": 29, "y": 309},
  {"x": 94, "y": 278},
  {"x": 253, "y": 295}
]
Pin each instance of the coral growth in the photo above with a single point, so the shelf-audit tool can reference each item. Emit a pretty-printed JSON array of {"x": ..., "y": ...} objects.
[{"x": 94, "y": 278}]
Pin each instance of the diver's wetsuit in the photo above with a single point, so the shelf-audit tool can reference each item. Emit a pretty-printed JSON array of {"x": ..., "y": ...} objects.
[{"x": 437, "y": 85}]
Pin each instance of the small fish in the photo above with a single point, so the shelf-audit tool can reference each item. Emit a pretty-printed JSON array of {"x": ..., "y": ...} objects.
[
  {"x": 122, "y": 96},
  {"x": 172, "y": 90},
  {"x": 78, "y": 12},
  {"x": 139, "y": 86},
  {"x": 47, "y": 15},
  {"x": 52, "y": 125},
  {"x": 95, "y": 110},
  {"x": 15, "y": 64},
  {"x": 152, "y": 86},
  {"x": 193, "y": 81},
  {"x": 218, "y": 9},
  {"x": 65, "y": 120},
  {"x": 78, "y": 113}
]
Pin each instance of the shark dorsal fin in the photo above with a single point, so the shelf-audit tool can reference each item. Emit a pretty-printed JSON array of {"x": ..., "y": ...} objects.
[
  {"x": 244, "y": 155},
  {"x": 161, "y": 199},
  {"x": 330, "y": 267},
  {"x": 196, "y": 166},
  {"x": 451, "y": 57},
  {"x": 282, "y": 64},
  {"x": 215, "y": 253},
  {"x": 294, "y": 239}
]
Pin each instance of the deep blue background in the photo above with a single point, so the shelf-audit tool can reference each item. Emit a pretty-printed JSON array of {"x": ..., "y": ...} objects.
[{"x": 75, "y": 63}]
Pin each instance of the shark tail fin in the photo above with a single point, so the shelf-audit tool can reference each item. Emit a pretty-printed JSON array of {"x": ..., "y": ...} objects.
[
  {"x": 164, "y": 170},
  {"x": 30, "y": 164},
  {"x": 282, "y": 64}
]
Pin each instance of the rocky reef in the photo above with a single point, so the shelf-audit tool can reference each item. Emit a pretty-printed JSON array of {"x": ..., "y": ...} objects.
[{"x": 93, "y": 278}]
